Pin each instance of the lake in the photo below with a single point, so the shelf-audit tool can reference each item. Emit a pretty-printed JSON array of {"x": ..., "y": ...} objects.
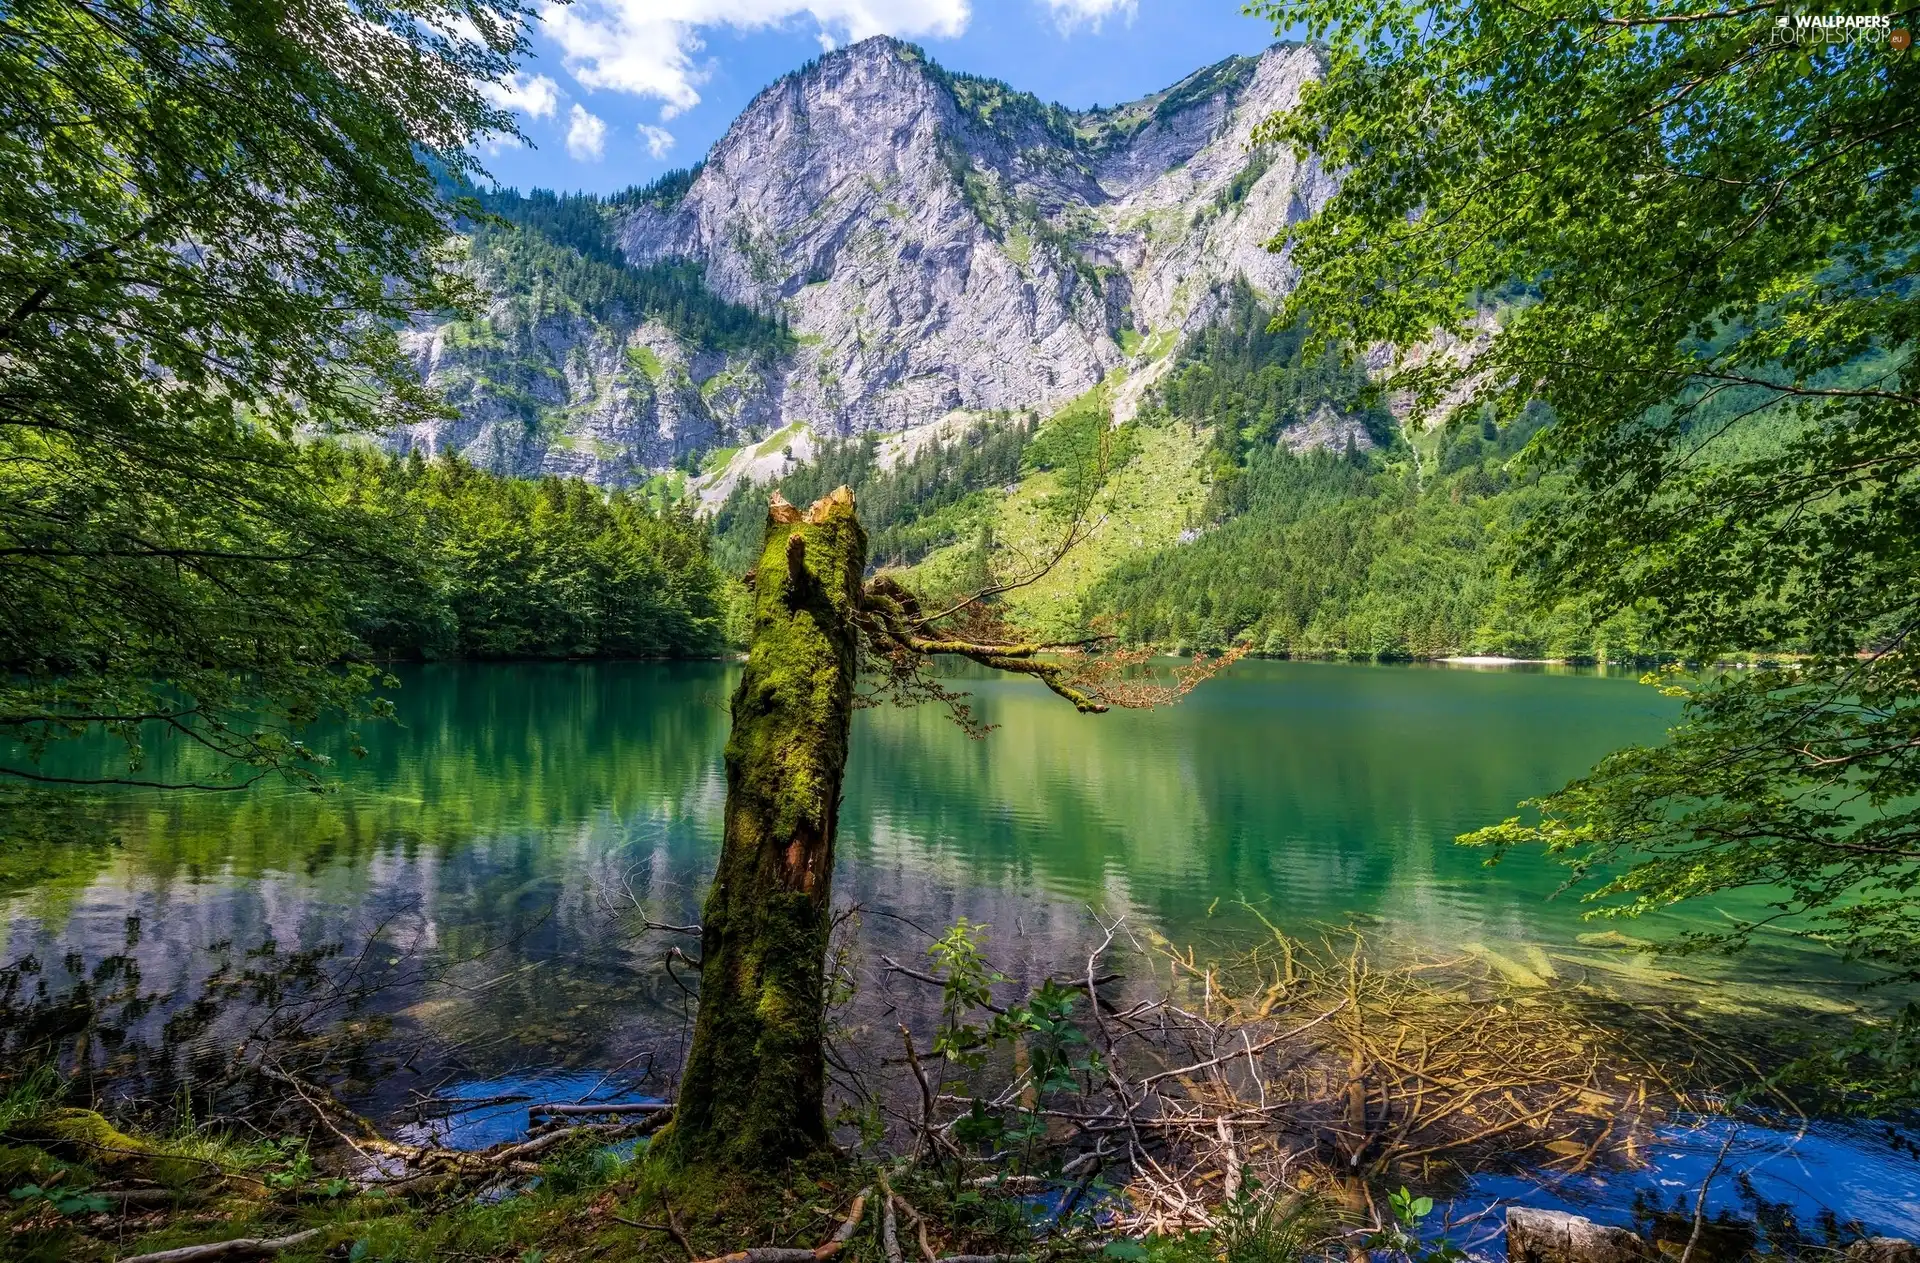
[{"x": 491, "y": 859}]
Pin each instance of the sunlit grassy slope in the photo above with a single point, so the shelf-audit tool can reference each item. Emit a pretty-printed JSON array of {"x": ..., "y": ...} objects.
[{"x": 1143, "y": 506}]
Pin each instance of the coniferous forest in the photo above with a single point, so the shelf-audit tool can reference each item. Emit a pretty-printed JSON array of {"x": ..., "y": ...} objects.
[
  {"x": 1381, "y": 552},
  {"x": 509, "y": 568}
]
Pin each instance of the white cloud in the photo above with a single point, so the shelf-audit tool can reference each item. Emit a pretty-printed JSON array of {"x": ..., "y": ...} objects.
[
  {"x": 538, "y": 96},
  {"x": 586, "y": 135},
  {"x": 648, "y": 47},
  {"x": 1068, "y": 14},
  {"x": 827, "y": 42},
  {"x": 658, "y": 139},
  {"x": 496, "y": 144}
]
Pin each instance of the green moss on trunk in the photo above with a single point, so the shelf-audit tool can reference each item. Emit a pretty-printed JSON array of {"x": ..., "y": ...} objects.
[{"x": 755, "y": 1080}]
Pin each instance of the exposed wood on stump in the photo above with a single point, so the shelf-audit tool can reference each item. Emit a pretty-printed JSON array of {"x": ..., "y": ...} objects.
[{"x": 756, "y": 1077}]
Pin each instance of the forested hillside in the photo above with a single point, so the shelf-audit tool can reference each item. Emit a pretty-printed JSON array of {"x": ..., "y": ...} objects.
[
  {"x": 504, "y": 567},
  {"x": 554, "y": 252},
  {"x": 1325, "y": 529},
  {"x": 939, "y": 494},
  {"x": 1382, "y": 551}
]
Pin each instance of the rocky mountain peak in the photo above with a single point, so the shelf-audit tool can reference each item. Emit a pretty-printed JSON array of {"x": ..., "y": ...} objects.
[{"x": 935, "y": 241}]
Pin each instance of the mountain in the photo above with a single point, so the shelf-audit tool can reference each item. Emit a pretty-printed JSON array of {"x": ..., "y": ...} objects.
[{"x": 876, "y": 244}]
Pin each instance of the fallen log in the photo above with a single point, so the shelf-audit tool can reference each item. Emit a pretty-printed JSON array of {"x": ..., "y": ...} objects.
[
  {"x": 236, "y": 1248},
  {"x": 556, "y": 1109}
]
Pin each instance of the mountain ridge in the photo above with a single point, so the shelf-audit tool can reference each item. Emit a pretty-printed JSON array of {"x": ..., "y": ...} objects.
[{"x": 935, "y": 242}]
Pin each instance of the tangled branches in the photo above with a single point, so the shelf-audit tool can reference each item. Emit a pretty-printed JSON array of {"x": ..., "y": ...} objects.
[
  {"x": 899, "y": 636},
  {"x": 899, "y": 639},
  {"x": 1333, "y": 1067}
]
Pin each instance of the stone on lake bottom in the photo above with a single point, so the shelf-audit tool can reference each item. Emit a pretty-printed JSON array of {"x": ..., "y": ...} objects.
[
  {"x": 1551, "y": 1236},
  {"x": 1883, "y": 1250}
]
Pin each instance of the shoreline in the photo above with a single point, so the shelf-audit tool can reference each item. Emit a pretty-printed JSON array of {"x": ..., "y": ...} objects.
[{"x": 1496, "y": 660}]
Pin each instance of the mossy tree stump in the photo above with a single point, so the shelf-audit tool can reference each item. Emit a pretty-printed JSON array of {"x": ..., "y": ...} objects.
[
  {"x": 752, "y": 1095},
  {"x": 754, "y": 1090}
]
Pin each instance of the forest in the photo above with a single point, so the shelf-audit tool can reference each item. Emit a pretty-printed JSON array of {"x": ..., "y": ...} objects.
[
  {"x": 557, "y": 252},
  {"x": 910, "y": 507},
  {"x": 499, "y": 567},
  {"x": 1384, "y": 552}
]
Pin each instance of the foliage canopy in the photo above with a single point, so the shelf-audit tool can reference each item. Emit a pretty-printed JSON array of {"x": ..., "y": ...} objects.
[
  {"x": 1711, "y": 219},
  {"x": 214, "y": 216}
]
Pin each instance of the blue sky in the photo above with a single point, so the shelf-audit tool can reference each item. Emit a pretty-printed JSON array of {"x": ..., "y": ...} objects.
[{"x": 619, "y": 91}]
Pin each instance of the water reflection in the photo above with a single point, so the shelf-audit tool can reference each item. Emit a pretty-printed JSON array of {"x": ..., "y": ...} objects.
[{"x": 491, "y": 855}]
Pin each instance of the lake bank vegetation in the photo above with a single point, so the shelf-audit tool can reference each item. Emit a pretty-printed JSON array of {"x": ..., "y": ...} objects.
[
  {"x": 1733, "y": 415},
  {"x": 1151, "y": 1100}
]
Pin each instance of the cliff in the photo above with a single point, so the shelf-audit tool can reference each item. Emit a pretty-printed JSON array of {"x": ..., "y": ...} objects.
[{"x": 922, "y": 241}]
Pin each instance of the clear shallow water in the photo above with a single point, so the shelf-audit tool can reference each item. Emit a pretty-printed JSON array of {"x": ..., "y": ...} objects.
[
  {"x": 478, "y": 1113},
  {"x": 501, "y": 841},
  {"x": 1770, "y": 1174}
]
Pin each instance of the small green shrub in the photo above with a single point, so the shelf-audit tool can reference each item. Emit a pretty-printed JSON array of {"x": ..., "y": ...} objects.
[{"x": 1255, "y": 1226}]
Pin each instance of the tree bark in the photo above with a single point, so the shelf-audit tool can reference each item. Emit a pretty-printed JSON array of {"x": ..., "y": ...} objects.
[{"x": 752, "y": 1095}]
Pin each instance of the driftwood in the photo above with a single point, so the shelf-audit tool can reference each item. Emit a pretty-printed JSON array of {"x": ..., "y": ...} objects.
[
  {"x": 237, "y": 1248},
  {"x": 430, "y": 1171},
  {"x": 558, "y": 1110}
]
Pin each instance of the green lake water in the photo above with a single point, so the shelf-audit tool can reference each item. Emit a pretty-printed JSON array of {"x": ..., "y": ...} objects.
[
  {"x": 505, "y": 837},
  {"x": 521, "y": 811},
  {"x": 489, "y": 862}
]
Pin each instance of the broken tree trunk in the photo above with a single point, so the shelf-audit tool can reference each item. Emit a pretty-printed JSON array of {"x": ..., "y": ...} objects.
[{"x": 755, "y": 1080}]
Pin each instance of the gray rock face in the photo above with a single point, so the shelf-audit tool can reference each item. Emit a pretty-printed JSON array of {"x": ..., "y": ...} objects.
[
  {"x": 935, "y": 241},
  {"x": 563, "y": 394},
  {"x": 1329, "y": 429}
]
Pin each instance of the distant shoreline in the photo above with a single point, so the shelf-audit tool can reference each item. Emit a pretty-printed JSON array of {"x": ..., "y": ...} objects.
[{"x": 1495, "y": 660}]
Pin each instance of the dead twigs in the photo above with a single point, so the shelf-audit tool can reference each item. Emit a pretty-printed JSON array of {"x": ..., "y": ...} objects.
[
  {"x": 1342, "y": 1061},
  {"x": 792, "y": 1254},
  {"x": 574, "y": 1109},
  {"x": 237, "y": 1248}
]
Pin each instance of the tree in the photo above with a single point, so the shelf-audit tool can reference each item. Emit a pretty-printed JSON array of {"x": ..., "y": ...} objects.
[
  {"x": 1694, "y": 231},
  {"x": 214, "y": 216},
  {"x": 751, "y": 1096}
]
